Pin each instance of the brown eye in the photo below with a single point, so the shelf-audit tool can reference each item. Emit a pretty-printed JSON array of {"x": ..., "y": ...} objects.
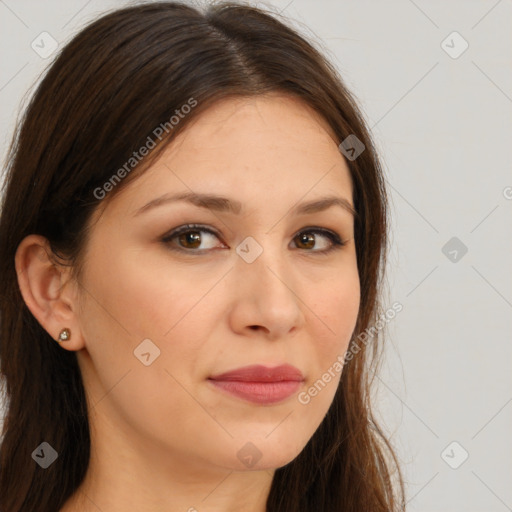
[
  {"x": 305, "y": 241},
  {"x": 318, "y": 240},
  {"x": 190, "y": 240},
  {"x": 193, "y": 238}
]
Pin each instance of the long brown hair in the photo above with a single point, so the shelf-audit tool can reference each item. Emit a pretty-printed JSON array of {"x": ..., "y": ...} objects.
[{"x": 107, "y": 91}]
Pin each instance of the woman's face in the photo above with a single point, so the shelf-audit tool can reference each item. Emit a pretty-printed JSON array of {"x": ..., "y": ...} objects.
[{"x": 258, "y": 283}]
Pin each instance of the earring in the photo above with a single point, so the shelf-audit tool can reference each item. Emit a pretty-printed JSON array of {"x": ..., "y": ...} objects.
[{"x": 64, "y": 335}]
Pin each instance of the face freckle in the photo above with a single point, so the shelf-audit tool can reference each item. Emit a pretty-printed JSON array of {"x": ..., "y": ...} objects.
[{"x": 251, "y": 297}]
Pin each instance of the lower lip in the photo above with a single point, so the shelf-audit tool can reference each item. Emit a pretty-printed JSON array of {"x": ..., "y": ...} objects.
[{"x": 259, "y": 392}]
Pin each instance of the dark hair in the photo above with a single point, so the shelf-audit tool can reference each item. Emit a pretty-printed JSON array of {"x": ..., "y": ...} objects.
[{"x": 104, "y": 96}]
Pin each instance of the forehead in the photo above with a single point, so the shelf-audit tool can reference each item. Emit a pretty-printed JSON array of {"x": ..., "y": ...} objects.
[
  {"x": 272, "y": 118},
  {"x": 272, "y": 143}
]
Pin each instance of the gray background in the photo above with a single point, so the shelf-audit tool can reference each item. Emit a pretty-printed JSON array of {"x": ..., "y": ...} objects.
[{"x": 443, "y": 126}]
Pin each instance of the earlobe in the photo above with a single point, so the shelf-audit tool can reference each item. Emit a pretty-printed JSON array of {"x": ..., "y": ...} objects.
[{"x": 41, "y": 283}]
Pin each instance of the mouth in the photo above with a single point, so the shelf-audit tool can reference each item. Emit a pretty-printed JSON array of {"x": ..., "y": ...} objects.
[{"x": 260, "y": 384}]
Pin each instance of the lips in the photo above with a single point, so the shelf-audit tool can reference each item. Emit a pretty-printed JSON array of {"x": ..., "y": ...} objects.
[
  {"x": 260, "y": 373},
  {"x": 260, "y": 384}
]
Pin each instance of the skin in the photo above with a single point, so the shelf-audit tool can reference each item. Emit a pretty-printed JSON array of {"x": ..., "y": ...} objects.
[{"x": 162, "y": 437}]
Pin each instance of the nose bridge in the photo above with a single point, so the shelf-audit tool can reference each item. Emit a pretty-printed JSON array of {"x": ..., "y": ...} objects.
[
  {"x": 263, "y": 263},
  {"x": 266, "y": 281}
]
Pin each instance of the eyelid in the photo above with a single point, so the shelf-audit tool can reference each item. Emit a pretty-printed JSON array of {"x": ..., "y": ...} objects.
[{"x": 185, "y": 228}]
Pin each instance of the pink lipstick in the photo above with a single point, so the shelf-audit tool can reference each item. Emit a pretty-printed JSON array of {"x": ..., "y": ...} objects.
[{"x": 260, "y": 384}]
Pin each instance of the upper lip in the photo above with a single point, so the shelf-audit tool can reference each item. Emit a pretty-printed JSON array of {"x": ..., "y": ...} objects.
[{"x": 261, "y": 373}]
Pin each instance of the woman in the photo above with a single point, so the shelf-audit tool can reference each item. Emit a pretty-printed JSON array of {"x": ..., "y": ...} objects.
[{"x": 192, "y": 237}]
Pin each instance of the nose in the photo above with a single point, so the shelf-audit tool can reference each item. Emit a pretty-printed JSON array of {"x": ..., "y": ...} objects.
[{"x": 265, "y": 298}]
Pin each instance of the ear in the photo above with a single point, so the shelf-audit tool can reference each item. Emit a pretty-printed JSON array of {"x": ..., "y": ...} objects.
[{"x": 47, "y": 290}]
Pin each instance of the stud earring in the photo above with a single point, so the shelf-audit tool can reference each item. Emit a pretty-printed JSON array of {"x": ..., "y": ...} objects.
[{"x": 64, "y": 335}]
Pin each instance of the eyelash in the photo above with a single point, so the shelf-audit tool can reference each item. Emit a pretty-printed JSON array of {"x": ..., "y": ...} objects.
[{"x": 334, "y": 238}]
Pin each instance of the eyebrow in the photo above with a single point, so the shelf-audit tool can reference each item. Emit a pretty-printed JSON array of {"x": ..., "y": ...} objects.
[{"x": 223, "y": 204}]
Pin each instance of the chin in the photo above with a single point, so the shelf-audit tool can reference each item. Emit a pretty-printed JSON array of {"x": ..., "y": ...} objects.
[{"x": 266, "y": 454}]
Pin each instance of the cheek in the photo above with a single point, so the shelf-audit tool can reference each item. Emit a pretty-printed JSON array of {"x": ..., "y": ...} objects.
[
  {"x": 332, "y": 320},
  {"x": 336, "y": 305},
  {"x": 146, "y": 297},
  {"x": 127, "y": 302},
  {"x": 135, "y": 300}
]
